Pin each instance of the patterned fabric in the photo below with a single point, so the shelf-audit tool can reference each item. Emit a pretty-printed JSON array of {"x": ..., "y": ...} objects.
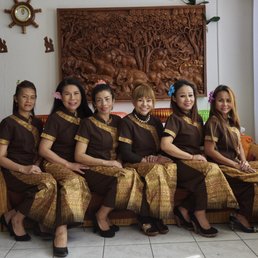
[
  {"x": 160, "y": 187},
  {"x": 3, "y": 195},
  {"x": 73, "y": 196}
]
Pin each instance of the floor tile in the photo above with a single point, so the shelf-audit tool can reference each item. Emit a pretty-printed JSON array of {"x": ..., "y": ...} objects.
[
  {"x": 175, "y": 234},
  {"x": 246, "y": 236},
  {"x": 178, "y": 250},
  {"x": 128, "y": 251},
  {"x": 83, "y": 252},
  {"x": 84, "y": 237},
  {"x": 128, "y": 236},
  {"x": 3, "y": 252},
  {"x": 35, "y": 253},
  {"x": 252, "y": 244},
  {"x": 6, "y": 241},
  {"x": 226, "y": 249},
  {"x": 225, "y": 233}
]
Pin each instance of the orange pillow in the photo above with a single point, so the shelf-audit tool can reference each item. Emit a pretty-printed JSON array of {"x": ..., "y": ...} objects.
[
  {"x": 246, "y": 141},
  {"x": 253, "y": 152}
]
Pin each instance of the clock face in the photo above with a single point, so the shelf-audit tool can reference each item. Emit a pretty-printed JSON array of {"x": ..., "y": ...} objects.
[{"x": 22, "y": 13}]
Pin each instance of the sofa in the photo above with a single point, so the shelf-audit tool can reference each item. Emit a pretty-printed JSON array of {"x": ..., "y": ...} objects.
[{"x": 9, "y": 199}]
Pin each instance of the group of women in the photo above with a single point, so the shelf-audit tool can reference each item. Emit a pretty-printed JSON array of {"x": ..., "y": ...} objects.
[{"x": 132, "y": 162}]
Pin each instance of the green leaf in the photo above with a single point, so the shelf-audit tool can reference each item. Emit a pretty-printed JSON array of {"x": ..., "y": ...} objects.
[{"x": 213, "y": 19}]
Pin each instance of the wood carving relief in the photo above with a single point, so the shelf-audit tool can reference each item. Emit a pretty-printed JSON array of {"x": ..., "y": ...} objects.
[{"x": 130, "y": 45}]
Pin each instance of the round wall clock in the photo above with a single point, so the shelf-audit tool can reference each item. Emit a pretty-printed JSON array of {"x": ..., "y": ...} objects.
[{"x": 23, "y": 14}]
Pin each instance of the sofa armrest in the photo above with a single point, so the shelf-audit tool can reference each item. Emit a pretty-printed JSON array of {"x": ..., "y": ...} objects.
[
  {"x": 253, "y": 152},
  {"x": 3, "y": 195}
]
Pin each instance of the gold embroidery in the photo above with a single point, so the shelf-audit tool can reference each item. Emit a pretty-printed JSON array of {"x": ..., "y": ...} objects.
[
  {"x": 170, "y": 132},
  {"x": 48, "y": 137},
  {"x": 126, "y": 140},
  {"x": 190, "y": 122},
  {"x": 81, "y": 139},
  {"x": 148, "y": 127},
  {"x": 209, "y": 138},
  {"x": 29, "y": 127},
  {"x": 112, "y": 131},
  {"x": 4, "y": 142},
  {"x": 71, "y": 119}
]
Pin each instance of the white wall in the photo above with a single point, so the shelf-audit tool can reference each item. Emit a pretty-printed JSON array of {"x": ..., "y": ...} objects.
[{"x": 229, "y": 52}]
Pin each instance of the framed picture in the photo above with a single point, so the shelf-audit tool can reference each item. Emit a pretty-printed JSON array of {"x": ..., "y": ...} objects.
[{"x": 128, "y": 46}]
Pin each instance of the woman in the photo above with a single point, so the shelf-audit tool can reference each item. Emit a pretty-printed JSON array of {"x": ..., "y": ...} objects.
[
  {"x": 96, "y": 147},
  {"x": 223, "y": 146},
  {"x": 139, "y": 145},
  {"x": 182, "y": 140},
  {"x": 19, "y": 138},
  {"x": 57, "y": 148}
]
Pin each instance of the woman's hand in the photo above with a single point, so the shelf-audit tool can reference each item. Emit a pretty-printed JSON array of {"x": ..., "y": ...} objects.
[
  {"x": 76, "y": 167},
  {"x": 113, "y": 163},
  {"x": 199, "y": 157},
  {"x": 244, "y": 166},
  {"x": 31, "y": 169}
]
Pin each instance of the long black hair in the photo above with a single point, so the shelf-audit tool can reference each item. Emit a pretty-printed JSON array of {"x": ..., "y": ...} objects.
[
  {"x": 83, "y": 110},
  {"x": 177, "y": 85},
  {"x": 23, "y": 85}
]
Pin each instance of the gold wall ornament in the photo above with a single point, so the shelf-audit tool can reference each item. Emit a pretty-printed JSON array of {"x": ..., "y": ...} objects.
[
  {"x": 22, "y": 14},
  {"x": 127, "y": 46}
]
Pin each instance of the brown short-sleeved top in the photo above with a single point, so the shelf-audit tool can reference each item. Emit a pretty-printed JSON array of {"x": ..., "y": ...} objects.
[
  {"x": 101, "y": 138},
  {"x": 61, "y": 128},
  {"x": 214, "y": 132},
  {"x": 143, "y": 137},
  {"x": 187, "y": 135},
  {"x": 22, "y": 137}
]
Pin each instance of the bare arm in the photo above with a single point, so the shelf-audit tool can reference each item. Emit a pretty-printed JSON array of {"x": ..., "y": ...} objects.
[
  {"x": 46, "y": 152},
  {"x": 11, "y": 165},
  {"x": 83, "y": 158},
  {"x": 172, "y": 150}
]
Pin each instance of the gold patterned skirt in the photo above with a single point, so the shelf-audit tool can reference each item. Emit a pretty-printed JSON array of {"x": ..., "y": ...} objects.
[
  {"x": 160, "y": 186},
  {"x": 129, "y": 186},
  {"x": 219, "y": 192},
  {"x": 40, "y": 193},
  {"x": 245, "y": 177},
  {"x": 73, "y": 194}
]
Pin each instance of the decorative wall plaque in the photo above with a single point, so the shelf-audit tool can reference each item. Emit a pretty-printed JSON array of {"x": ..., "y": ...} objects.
[{"x": 127, "y": 46}]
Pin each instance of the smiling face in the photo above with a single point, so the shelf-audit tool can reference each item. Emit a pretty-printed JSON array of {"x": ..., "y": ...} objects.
[
  {"x": 223, "y": 103},
  {"x": 143, "y": 105},
  {"x": 104, "y": 102},
  {"x": 184, "y": 98},
  {"x": 71, "y": 97},
  {"x": 25, "y": 100}
]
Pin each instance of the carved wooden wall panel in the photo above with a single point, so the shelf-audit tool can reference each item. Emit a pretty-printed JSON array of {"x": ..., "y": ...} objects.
[{"x": 126, "y": 46}]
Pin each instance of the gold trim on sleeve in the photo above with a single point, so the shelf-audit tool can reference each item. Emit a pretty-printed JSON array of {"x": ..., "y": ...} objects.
[
  {"x": 171, "y": 133},
  {"x": 4, "y": 142},
  {"x": 48, "y": 137},
  {"x": 212, "y": 139},
  {"x": 81, "y": 139},
  {"x": 126, "y": 140}
]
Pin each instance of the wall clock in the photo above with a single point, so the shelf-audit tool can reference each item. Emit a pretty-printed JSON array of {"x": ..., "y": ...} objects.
[{"x": 23, "y": 14}]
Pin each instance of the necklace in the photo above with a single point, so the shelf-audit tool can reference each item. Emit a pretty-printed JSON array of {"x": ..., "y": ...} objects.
[
  {"x": 108, "y": 121},
  {"x": 142, "y": 121}
]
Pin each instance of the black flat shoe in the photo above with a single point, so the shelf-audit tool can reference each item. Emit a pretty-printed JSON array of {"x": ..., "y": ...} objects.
[
  {"x": 115, "y": 228},
  {"x": 162, "y": 228},
  {"x": 22, "y": 238},
  {"x": 5, "y": 224},
  {"x": 60, "y": 251},
  {"x": 211, "y": 232},
  {"x": 103, "y": 233},
  {"x": 43, "y": 235},
  {"x": 181, "y": 221},
  {"x": 235, "y": 223}
]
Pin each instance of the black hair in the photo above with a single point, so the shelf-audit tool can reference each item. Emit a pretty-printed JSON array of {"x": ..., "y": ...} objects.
[
  {"x": 98, "y": 88},
  {"x": 177, "y": 85},
  {"x": 83, "y": 110},
  {"x": 23, "y": 85}
]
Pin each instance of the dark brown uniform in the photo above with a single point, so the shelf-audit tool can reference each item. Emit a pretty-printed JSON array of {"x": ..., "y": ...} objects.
[
  {"x": 139, "y": 139},
  {"x": 203, "y": 180},
  {"x": 73, "y": 193},
  {"x": 120, "y": 187},
  {"x": 22, "y": 137},
  {"x": 242, "y": 183}
]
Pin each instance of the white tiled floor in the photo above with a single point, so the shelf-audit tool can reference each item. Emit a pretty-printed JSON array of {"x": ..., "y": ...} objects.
[{"x": 131, "y": 243}]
